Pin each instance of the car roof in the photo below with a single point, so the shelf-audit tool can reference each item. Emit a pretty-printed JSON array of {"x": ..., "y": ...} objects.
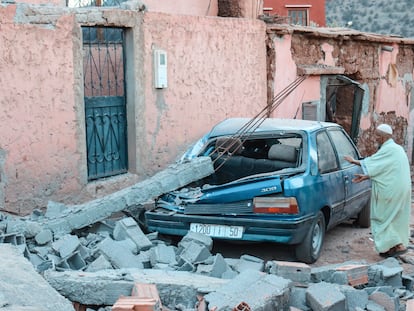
[{"x": 232, "y": 126}]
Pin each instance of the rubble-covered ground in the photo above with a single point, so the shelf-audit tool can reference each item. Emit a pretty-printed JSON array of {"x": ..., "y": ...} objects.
[{"x": 96, "y": 265}]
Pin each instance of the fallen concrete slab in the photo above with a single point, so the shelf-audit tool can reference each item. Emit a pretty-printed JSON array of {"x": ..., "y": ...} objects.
[
  {"x": 173, "y": 177},
  {"x": 106, "y": 286},
  {"x": 22, "y": 288}
]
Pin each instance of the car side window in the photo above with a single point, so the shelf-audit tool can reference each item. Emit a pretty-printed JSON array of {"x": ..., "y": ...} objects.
[
  {"x": 343, "y": 146},
  {"x": 326, "y": 155}
]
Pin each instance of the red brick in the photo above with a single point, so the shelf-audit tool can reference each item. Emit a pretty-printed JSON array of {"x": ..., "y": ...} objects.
[
  {"x": 357, "y": 274},
  {"x": 409, "y": 305}
]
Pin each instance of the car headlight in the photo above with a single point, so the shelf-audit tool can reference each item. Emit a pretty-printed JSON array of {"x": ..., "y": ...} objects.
[{"x": 275, "y": 205}]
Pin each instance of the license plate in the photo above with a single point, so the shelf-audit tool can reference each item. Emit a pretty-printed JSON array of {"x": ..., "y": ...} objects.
[{"x": 218, "y": 231}]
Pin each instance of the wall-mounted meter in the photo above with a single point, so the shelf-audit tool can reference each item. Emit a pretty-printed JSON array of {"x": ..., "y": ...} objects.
[{"x": 160, "y": 69}]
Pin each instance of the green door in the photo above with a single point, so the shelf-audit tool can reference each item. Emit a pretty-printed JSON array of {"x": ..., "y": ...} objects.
[{"x": 105, "y": 103}]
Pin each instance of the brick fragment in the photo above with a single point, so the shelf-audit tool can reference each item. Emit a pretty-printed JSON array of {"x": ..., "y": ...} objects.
[{"x": 357, "y": 274}]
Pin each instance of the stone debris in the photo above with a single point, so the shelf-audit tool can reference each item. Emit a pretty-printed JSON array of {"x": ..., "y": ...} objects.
[
  {"x": 102, "y": 263},
  {"x": 89, "y": 256}
]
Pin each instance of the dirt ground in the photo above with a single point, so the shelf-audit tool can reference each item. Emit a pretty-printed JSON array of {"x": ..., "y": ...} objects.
[{"x": 343, "y": 243}]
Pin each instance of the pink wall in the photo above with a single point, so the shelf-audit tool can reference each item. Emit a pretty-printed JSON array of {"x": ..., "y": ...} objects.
[
  {"x": 42, "y": 146},
  {"x": 37, "y": 119},
  {"x": 183, "y": 7},
  {"x": 286, "y": 73},
  {"x": 216, "y": 70}
]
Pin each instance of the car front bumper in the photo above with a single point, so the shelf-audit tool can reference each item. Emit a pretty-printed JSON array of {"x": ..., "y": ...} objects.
[{"x": 255, "y": 229}]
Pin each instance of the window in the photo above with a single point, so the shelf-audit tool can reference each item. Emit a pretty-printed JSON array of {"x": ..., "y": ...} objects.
[
  {"x": 343, "y": 146},
  {"x": 298, "y": 16},
  {"x": 326, "y": 154}
]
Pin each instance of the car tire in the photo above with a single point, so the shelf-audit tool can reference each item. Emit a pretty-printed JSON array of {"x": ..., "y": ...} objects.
[
  {"x": 309, "y": 250},
  {"x": 364, "y": 216}
]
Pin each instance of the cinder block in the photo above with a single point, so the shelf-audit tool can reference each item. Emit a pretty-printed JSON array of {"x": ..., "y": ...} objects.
[
  {"x": 118, "y": 255},
  {"x": 194, "y": 252},
  {"x": 248, "y": 262},
  {"x": 44, "y": 237},
  {"x": 198, "y": 238},
  {"x": 163, "y": 254},
  {"x": 356, "y": 274},
  {"x": 66, "y": 245},
  {"x": 73, "y": 262},
  {"x": 295, "y": 271},
  {"x": 128, "y": 228},
  {"x": 325, "y": 296}
]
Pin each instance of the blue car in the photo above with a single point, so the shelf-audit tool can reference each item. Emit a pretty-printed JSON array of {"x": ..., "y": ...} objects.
[{"x": 275, "y": 180}]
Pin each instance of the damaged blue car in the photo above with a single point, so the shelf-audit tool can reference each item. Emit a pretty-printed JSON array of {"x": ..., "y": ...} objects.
[{"x": 282, "y": 180}]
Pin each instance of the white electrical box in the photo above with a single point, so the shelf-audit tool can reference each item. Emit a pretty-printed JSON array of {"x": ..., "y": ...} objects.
[{"x": 160, "y": 69}]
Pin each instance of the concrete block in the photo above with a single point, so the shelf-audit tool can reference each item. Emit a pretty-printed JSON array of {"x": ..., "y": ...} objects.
[
  {"x": 390, "y": 303},
  {"x": 74, "y": 262},
  {"x": 261, "y": 291},
  {"x": 297, "y": 298},
  {"x": 198, "y": 238},
  {"x": 387, "y": 272},
  {"x": 373, "y": 306},
  {"x": 325, "y": 297},
  {"x": 248, "y": 262},
  {"x": 184, "y": 265},
  {"x": 194, "y": 252},
  {"x": 408, "y": 282},
  {"x": 163, "y": 254},
  {"x": 66, "y": 245},
  {"x": 355, "y": 298},
  {"x": 43, "y": 237},
  {"x": 295, "y": 271},
  {"x": 219, "y": 266},
  {"x": 128, "y": 228},
  {"x": 118, "y": 255},
  {"x": 356, "y": 274},
  {"x": 100, "y": 263}
]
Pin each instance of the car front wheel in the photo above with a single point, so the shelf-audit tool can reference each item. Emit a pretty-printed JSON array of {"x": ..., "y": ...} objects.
[{"x": 309, "y": 250}]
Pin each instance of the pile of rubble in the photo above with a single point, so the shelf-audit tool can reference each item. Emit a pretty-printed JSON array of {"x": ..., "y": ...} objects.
[
  {"x": 85, "y": 258},
  {"x": 103, "y": 263}
]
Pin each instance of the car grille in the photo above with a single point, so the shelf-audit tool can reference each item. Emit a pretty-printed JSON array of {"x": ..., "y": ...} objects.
[{"x": 245, "y": 207}]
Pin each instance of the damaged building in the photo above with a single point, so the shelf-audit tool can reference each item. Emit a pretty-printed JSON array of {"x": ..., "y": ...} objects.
[{"x": 95, "y": 99}]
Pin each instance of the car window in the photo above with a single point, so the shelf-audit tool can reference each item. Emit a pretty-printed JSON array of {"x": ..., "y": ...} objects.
[
  {"x": 326, "y": 155},
  {"x": 343, "y": 146}
]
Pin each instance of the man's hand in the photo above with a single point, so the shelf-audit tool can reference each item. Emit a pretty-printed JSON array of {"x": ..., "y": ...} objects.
[
  {"x": 349, "y": 159},
  {"x": 360, "y": 177}
]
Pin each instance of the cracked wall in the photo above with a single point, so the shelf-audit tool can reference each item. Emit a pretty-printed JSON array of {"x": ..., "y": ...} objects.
[{"x": 386, "y": 74}]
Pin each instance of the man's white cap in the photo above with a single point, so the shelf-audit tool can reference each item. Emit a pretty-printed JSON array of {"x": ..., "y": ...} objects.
[{"x": 385, "y": 128}]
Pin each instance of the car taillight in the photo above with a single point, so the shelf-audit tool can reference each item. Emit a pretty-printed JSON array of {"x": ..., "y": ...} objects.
[{"x": 275, "y": 205}]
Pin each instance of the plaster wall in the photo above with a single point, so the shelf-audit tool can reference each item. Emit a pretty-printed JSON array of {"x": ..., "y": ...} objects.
[
  {"x": 285, "y": 73},
  {"x": 38, "y": 114},
  {"x": 183, "y": 7},
  {"x": 387, "y": 77},
  {"x": 216, "y": 69}
]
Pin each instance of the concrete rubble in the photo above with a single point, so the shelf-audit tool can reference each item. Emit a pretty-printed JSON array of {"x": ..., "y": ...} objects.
[{"x": 73, "y": 259}]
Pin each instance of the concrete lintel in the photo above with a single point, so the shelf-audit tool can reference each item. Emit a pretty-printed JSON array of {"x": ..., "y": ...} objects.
[{"x": 318, "y": 70}]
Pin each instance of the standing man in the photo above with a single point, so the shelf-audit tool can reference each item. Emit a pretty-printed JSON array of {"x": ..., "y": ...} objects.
[{"x": 389, "y": 171}]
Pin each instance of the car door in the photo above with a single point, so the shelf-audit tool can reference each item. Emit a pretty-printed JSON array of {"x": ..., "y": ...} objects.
[
  {"x": 355, "y": 193},
  {"x": 331, "y": 189}
]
